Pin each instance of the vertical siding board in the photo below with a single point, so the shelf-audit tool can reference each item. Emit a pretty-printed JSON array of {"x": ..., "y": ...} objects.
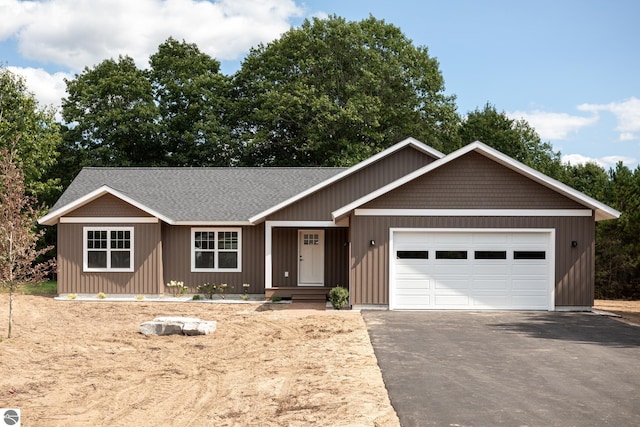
[
  {"x": 72, "y": 279},
  {"x": 318, "y": 206},
  {"x": 574, "y": 275},
  {"x": 177, "y": 260},
  {"x": 469, "y": 182},
  {"x": 108, "y": 206}
]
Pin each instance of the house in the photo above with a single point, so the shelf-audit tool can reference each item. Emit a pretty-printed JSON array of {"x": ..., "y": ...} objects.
[{"x": 408, "y": 228}]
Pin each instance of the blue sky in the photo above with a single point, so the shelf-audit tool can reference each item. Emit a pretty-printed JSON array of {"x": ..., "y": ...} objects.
[{"x": 569, "y": 67}]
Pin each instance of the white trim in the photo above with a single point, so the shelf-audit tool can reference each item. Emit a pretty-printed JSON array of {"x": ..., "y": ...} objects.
[
  {"x": 409, "y": 141},
  {"x": 52, "y": 217},
  {"x": 472, "y": 212},
  {"x": 551, "y": 249},
  {"x": 108, "y": 220},
  {"x": 216, "y": 250},
  {"x": 108, "y": 269},
  {"x": 602, "y": 211},
  {"x": 268, "y": 242}
]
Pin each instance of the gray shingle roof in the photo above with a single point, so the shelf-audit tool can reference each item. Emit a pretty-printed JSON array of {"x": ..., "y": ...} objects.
[{"x": 200, "y": 194}]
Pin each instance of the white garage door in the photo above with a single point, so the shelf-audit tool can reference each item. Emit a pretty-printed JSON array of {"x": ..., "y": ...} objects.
[{"x": 471, "y": 270}]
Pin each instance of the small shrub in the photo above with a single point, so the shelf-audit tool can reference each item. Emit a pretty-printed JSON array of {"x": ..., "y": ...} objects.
[
  {"x": 208, "y": 289},
  {"x": 223, "y": 288},
  {"x": 177, "y": 288},
  {"x": 101, "y": 295},
  {"x": 245, "y": 291},
  {"x": 275, "y": 298},
  {"x": 140, "y": 297},
  {"x": 338, "y": 297},
  {"x": 72, "y": 296},
  {"x": 196, "y": 297}
]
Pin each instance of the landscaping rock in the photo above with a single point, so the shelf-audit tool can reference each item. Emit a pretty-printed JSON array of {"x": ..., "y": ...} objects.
[{"x": 177, "y": 326}]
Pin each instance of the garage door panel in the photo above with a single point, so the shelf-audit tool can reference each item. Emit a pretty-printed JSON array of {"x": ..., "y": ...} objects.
[
  {"x": 412, "y": 270},
  {"x": 452, "y": 284},
  {"x": 491, "y": 270},
  {"x": 413, "y": 284},
  {"x": 413, "y": 302},
  {"x": 529, "y": 301},
  {"x": 449, "y": 238},
  {"x": 490, "y": 284},
  {"x": 493, "y": 281},
  {"x": 489, "y": 239},
  {"x": 491, "y": 301},
  {"x": 443, "y": 301},
  {"x": 528, "y": 283},
  {"x": 461, "y": 268}
]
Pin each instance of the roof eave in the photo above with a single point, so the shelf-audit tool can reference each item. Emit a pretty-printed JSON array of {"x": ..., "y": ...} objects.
[
  {"x": 406, "y": 142},
  {"x": 52, "y": 217},
  {"x": 602, "y": 211}
]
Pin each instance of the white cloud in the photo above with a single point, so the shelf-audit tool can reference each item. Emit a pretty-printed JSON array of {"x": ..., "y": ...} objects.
[
  {"x": 627, "y": 115},
  {"x": 79, "y": 33},
  {"x": 48, "y": 88},
  {"x": 605, "y": 162},
  {"x": 76, "y": 33},
  {"x": 553, "y": 126}
]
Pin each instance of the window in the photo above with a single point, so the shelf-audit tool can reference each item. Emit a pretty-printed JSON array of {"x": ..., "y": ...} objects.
[
  {"x": 490, "y": 254},
  {"x": 412, "y": 254},
  {"x": 529, "y": 255},
  {"x": 311, "y": 239},
  {"x": 451, "y": 254},
  {"x": 108, "y": 249},
  {"x": 215, "y": 249}
]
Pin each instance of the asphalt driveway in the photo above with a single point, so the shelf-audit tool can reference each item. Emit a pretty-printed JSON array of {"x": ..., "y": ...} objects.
[{"x": 508, "y": 368}]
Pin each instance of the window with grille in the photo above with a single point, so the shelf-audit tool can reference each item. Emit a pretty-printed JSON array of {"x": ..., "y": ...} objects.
[
  {"x": 108, "y": 249},
  {"x": 216, "y": 249}
]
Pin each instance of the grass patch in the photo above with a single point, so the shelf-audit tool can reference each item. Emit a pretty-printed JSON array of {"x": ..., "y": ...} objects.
[{"x": 46, "y": 288}]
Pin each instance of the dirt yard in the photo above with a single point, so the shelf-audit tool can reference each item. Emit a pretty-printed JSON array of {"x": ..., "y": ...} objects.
[
  {"x": 629, "y": 310},
  {"x": 85, "y": 363}
]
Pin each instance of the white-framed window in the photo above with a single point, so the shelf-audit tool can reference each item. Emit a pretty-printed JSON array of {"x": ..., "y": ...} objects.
[
  {"x": 107, "y": 249},
  {"x": 216, "y": 249}
]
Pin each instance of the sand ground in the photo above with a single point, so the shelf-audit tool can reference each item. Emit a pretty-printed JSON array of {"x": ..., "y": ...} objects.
[
  {"x": 72, "y": 363},
  {"x": 85, "y": 363}
]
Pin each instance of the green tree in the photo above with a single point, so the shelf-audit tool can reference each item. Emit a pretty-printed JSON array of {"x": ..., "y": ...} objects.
[
  {"x": 112, "y": 115},
  {"x": 515, "y": 138},
  {"x": 34, "y": 133},
  {"x": 618, "y": 242},
  {"x": 193, "y": 99},
  {"x": 333, "y": 92},
  {"x": 18, "y": 240}
]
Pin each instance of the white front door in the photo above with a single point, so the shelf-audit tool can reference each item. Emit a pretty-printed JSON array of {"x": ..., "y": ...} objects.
[{"x": 311, "y": 257}]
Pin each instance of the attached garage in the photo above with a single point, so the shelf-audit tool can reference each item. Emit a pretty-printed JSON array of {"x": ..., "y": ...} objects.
[{"x": 471, "y": 269}]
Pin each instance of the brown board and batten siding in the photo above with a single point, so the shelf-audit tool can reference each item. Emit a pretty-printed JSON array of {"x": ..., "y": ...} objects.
[
  {"x": 177, "y": 260},
  {"x": 108, "y": 206},
  {"x": 574, "y": 271},
  {"x": 145, "y": 279},
  {"x": 285, "y": 256},
  {"x": 319, "y": 205},
  {"x": 473, "y": 182}
]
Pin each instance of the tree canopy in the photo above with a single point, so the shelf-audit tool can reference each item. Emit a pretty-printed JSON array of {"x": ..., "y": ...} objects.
[
  {"x": 515, "y": 138},
  {"x": 333, "y": 92},
  {"x": 330, "y": 92},
  {"x": 32, "y": 131}
]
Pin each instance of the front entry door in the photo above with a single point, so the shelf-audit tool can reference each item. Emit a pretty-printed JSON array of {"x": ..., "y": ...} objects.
[{"x": 311, "y": 257}]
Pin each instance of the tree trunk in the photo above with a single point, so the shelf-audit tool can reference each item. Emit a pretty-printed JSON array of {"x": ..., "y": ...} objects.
[{"x": 10, "y": 309}]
